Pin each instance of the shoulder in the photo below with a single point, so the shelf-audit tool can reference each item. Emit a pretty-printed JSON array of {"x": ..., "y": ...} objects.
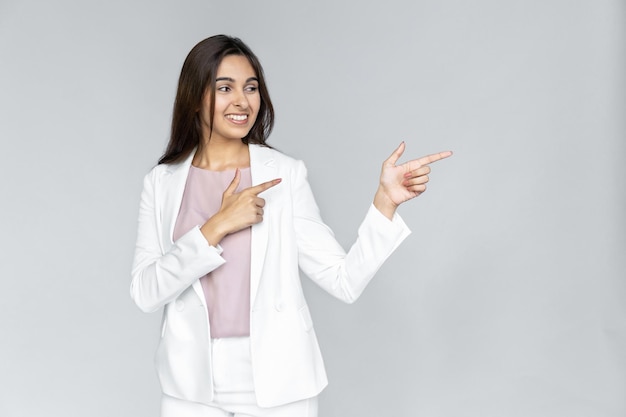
[
  {"x": 161, "y": 174},
  {"x": 264, "y": 153},
  {"x": 169, "y": 169},
  {"x": 158, "y": 170}
]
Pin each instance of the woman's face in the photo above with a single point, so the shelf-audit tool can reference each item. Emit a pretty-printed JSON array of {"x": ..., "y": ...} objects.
[{"x": 237, "y": 101}]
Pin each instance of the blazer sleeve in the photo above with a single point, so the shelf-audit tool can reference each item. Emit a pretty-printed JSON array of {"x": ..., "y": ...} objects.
[
  {"x": 321, "y": 257},
  {"x": 158, "y": 275}
]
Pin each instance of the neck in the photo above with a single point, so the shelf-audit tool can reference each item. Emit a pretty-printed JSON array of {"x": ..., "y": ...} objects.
[{"x": 221, "y": 156}]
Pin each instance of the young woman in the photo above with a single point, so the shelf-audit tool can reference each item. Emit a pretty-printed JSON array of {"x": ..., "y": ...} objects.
[{"x": 225, "y": 223}]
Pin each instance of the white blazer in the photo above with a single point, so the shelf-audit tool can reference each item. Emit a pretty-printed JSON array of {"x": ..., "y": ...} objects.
[{"x": 286, "y": 360}]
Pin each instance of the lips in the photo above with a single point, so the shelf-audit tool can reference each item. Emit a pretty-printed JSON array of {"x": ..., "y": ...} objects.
[{"x": 237, "y": 118}]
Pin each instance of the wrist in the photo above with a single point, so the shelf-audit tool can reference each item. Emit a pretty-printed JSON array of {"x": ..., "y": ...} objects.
[
  {"x": 384, "y": 204},
  {"x": 213, "y": 230}
]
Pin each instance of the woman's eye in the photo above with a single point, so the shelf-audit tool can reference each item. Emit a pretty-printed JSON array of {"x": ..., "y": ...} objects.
[
  {"x": 223, "y": 88},
  {"x": 252, "y": 89}
]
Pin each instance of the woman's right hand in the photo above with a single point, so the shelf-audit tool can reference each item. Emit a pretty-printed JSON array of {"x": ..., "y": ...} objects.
[{"x": 238, "y": 210}]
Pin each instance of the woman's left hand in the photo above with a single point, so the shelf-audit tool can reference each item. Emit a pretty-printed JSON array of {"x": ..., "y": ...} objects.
[{"x": 400, "y": 183}]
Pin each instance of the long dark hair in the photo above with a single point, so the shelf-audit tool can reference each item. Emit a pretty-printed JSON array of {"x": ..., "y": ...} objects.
[{"x": 197, "y": 78}]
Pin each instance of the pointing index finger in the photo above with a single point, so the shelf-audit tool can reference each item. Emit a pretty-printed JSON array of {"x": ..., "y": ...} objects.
[
  {"x": 429, "y": 159},
  {"x": 258, "y": 189}
]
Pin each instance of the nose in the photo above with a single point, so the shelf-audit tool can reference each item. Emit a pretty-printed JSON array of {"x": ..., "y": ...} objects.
[{"x": 240, "y": 100}]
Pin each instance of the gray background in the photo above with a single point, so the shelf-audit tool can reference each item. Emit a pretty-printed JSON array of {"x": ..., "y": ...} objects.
[{"x": 507, "y": 300}]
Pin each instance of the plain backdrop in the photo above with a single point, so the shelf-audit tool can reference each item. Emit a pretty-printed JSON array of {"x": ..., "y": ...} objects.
[{"x": 509, "y": 298}]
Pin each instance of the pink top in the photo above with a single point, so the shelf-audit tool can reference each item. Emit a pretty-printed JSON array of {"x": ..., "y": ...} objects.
[{"x": 227, "y": 288}]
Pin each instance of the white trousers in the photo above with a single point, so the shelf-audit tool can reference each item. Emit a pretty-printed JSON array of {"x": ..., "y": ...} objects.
[{"x": 234, "y": 389}]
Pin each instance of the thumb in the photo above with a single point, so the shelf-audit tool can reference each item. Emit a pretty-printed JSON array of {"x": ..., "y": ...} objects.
[
  {"x": 397, "y": 153},
  {"x": 234, "y": 183}
]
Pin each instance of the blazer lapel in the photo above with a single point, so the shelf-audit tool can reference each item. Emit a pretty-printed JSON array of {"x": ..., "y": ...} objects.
[
  {"x": 174, "y": 181},
  {"x": 262, "y": 169}
]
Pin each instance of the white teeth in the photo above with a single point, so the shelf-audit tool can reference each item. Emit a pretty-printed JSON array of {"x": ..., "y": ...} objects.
[{"x": 238, "y": 117}]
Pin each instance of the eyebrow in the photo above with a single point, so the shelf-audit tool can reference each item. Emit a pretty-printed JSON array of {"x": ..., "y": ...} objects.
[{"x": 232, "y": 79}]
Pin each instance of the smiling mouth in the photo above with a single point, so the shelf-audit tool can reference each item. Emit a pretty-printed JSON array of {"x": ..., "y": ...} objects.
[{"x": 237, "y": 117}]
